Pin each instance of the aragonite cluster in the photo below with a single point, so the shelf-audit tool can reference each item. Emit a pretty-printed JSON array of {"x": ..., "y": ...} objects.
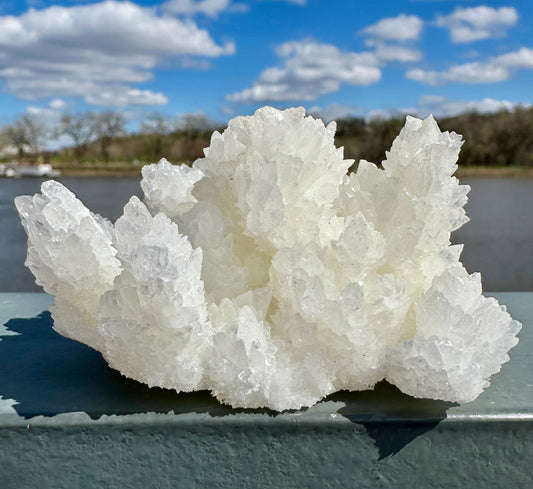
[{"x": 267, "y": 275}]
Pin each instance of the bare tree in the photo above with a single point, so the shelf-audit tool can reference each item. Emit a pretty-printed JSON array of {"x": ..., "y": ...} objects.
[
  {"x": 80, "y": 128},
  {"x": 156, "y": 126},
  {"x": 4, "y": 139},
  {"x": 36, "y": 132},
  {"x": 157, "y": 123},
  {"x": 193, "y": 124},
  {"x": 26, "y": 132},
  {"x": 107, "y": 126},
  {"x": 17, "y": 137},
  {"x": 194, "y": 128}
]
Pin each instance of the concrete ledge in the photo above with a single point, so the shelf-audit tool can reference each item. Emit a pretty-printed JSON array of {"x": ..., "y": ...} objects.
[{"x": 68, "y": 420}]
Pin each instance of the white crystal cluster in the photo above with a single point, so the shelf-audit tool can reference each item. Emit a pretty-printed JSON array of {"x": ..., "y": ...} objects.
[{"x": 267, "y": 275}]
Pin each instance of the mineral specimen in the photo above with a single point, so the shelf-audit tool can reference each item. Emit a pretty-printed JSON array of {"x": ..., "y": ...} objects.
[{"x": 269, "y": 276}]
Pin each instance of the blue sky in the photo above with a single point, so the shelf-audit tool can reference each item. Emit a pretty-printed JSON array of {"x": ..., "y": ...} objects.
[{"x": 228, "y": 57}]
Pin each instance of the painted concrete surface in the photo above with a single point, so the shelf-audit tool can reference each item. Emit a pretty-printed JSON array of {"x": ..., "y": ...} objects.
[{"x": 68, "y": 420}]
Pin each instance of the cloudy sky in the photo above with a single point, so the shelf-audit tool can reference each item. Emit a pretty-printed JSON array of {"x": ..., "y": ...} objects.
[{"x": 229, "y": 57}]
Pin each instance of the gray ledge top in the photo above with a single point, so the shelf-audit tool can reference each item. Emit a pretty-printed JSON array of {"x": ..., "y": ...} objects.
[{"x": 47, "y": 379}]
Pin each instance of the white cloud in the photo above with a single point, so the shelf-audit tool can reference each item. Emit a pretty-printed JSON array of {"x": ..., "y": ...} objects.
[
  {"x": 465, "y": 73},
  {"x": 53, "y": 110},
  {"x": 297, "y": 2},
  {"x": 90, "y": 49},
  {"x": 439, "y": 106},
  {"x": 58, "y": 104},
  {"x": 496, "y": 69},
  {"x": 44, "y": 114},
  {"x": 310, "y": 69},
  {"x": 124, "y": 97},
  {"x": 194, "y": 63},
  {"x": 393, "y": 52},
  {"x": 400, "y": 28},
  {"x": 211, "y": 8},
  {"x": 476, "y": 23},
  {"x": 523, "y": 58},
  {"x": 335, "y": 111},
  {"x": 444, "y": 107}
]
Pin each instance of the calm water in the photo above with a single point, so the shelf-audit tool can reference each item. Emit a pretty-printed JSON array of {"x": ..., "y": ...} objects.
[{"x": 498, "y": 239}]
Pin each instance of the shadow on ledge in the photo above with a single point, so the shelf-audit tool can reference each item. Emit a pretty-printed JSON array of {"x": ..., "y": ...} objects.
[
  {"x": 391, "y": 418},
  {"x": 48, "y": 374}
]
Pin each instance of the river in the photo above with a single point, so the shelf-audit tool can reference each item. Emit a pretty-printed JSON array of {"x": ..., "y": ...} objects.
[{"x": 498, "y": 239}]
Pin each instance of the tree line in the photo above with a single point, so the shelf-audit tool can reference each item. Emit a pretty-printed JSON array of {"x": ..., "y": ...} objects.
[
  {"x": 499, "y": 139},
  {"x": 103, "y": 136}
]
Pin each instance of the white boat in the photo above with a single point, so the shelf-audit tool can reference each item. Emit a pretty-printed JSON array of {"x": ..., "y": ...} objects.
[{"x": 41, "y": 170}]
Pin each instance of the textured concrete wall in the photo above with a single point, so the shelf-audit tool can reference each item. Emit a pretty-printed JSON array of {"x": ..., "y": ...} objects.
[{"x": 277, "y": 456}]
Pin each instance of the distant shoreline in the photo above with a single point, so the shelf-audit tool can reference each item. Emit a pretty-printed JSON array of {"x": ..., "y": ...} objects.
[
  {"x": 462, "y": 171},
  {"x": 91, "y": 172},
  {"x": 494, "y": 171}
]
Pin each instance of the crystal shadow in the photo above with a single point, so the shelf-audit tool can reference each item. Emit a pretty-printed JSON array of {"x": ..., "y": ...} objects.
[
  {"x": 48, "y": 374},
  {"x": 391, "y": 418}
]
